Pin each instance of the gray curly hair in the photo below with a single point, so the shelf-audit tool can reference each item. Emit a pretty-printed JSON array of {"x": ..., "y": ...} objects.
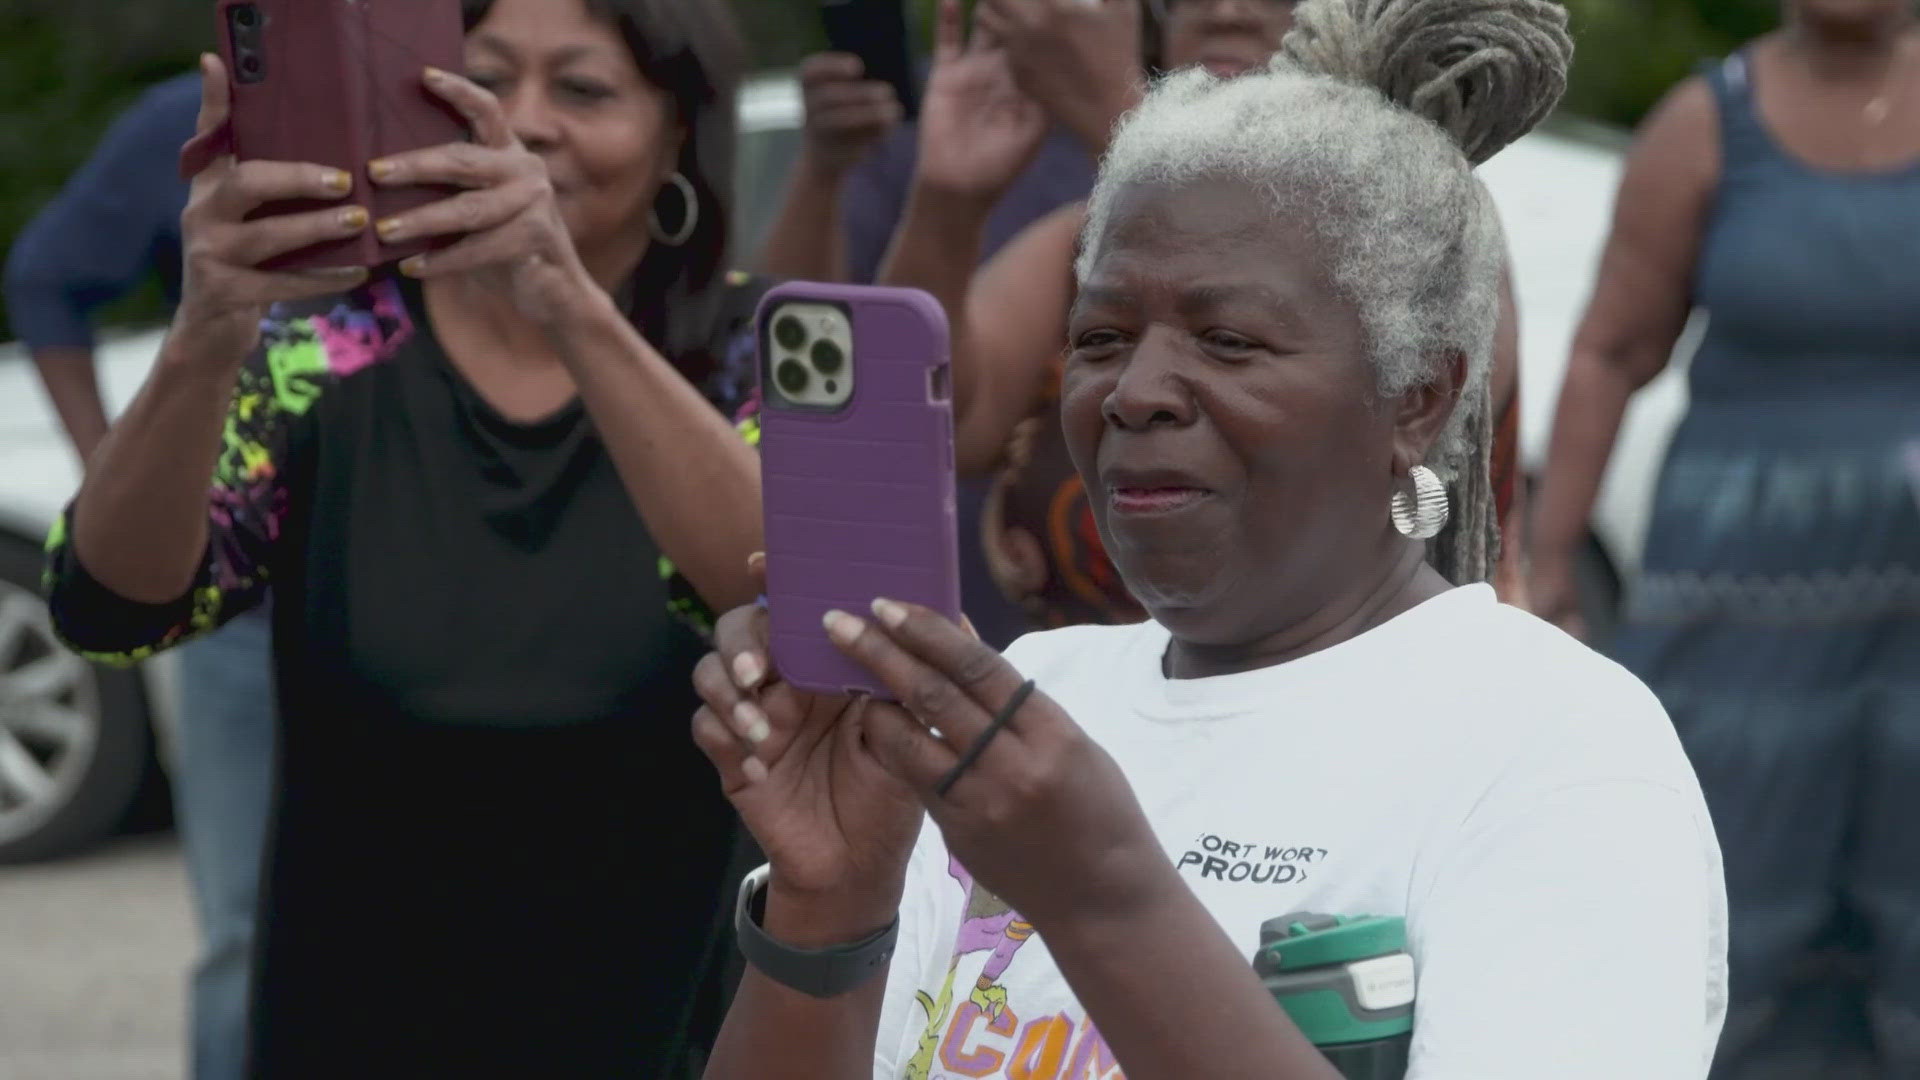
[{"x": 1369, "y": 122}]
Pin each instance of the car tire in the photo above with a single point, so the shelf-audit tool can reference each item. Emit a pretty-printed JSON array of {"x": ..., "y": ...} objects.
[{"x": 75, "y": 745}]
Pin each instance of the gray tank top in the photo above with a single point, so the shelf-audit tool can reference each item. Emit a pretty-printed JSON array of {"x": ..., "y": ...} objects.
[{"x": 1811, "y": 277}]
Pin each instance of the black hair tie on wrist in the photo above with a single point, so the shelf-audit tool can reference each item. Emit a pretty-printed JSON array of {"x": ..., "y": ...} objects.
[{"x": 979, "y": 746}]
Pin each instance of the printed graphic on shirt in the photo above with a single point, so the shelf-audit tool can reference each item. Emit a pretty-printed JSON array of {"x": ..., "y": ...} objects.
[
  {"x": 987, "y": 1035},
  {"x": 1218, "y": 858}
]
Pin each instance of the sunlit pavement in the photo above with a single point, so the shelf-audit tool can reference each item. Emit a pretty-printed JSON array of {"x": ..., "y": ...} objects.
[{"x": 93, "y": 965}]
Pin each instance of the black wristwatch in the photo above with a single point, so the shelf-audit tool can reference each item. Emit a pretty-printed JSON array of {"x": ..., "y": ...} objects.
[{"x": 821, "y": 973}]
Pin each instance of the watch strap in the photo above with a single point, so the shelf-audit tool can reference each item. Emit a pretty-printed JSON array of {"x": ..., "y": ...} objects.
[{"x": 820, "y": 973}]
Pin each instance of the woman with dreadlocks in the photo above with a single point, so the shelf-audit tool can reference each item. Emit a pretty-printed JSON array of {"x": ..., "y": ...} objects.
[{"x": 1058, "y": 862}]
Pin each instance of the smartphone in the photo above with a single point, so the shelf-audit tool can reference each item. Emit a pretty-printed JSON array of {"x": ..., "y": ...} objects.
[
  {"x": 338, "y": 82},
  {"x": 876, "y": 32},
  {"x": 856, "y": 463}
]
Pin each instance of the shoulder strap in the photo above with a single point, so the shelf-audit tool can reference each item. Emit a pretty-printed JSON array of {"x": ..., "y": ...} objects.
[{"x": 1731, "y": 81}]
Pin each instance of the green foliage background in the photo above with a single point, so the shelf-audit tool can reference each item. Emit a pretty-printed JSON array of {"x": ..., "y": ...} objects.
[{"x": 67, "y": 67}]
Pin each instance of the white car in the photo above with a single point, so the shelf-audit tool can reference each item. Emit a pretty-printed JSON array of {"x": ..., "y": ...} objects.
[{"x": 76, "y": 740}]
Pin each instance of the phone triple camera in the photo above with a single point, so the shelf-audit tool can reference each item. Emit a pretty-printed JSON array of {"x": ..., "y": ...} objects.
[{"x": 809, "y": 362}]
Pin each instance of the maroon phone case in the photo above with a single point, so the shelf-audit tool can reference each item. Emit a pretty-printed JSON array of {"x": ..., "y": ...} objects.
[
  {"x": 340, "y": 85},
  {"x": 859, "y": 503}
]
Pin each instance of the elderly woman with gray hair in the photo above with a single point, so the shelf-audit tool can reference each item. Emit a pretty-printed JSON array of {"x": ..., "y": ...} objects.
[{"x": 1058, "y": 862}]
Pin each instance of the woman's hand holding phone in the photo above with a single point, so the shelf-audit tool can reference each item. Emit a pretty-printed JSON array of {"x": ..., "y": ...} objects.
[
  {"x": 225, "y": 293},
  {"x": 833, "y": 788},
  {"x": 510, "y": 227},
  {"x": 802, "y": 770}
]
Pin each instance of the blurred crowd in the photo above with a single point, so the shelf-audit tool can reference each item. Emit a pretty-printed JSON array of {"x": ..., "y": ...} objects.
[{"x": 413, "y": 821}]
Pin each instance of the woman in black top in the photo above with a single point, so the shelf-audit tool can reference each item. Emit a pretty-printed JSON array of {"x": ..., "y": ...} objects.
[{"x": 494, "y": 850}]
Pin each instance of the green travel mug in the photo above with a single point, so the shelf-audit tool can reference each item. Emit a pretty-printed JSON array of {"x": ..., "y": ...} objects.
[{"x": 1347, "y": 982}]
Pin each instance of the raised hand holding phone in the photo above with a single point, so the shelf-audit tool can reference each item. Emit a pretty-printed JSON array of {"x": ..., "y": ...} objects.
[
  {"x": 509, "y": 225},
  {"x": 226, "y": 289},
  {"x": 801, "y": 770},
  {"x": 846, "y": 112}
]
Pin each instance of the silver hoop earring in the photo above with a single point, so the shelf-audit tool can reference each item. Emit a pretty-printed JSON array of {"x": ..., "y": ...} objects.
[
  {"x": 1422, "y": 514},
  {"x": 688, "y": 219}
]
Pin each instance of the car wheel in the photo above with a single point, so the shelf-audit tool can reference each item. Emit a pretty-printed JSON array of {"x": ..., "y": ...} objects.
[{"x": 74, "y": 740}]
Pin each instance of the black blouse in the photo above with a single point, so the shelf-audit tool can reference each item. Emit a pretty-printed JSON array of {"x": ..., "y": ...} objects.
[{"x": 495, "y": 848}]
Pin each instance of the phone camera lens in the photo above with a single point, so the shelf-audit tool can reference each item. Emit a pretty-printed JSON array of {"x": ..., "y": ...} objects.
[
  {"x": 828, "y": 357},
  {"x": 788, "y": 332},
  {"x": 245, "y": 17},
  {"x": 250, "y": 65},
  {"x": 792, "y": 377}
]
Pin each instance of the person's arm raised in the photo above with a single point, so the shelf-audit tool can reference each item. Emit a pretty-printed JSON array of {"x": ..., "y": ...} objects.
[
  {"x": 846, "y": 115},
  {"x": 694, "y": 481},
  {"x": 978, "y": 130},
  {"x": 1044, "y": 819},
  {"x": 139, "y": 524},
  {"x": 1009, "y": 317},
  {"x": 1639, "y": 307},
  {"x": 838, "y": 832},
  {"x": 1080, "y": 59}
]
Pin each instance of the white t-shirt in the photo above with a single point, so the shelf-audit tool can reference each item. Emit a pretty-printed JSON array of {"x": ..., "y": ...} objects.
[{"x": 1523, "y": 802}]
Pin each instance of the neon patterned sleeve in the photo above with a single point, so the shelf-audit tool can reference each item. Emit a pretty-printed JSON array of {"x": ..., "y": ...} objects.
[{"x": 303, "y": 350}]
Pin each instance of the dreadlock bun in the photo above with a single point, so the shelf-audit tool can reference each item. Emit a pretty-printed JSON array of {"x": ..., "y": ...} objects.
[{"x": 1485, "y": 71}]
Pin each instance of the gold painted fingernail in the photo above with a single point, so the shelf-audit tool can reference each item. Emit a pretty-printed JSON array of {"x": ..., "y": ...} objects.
[
  {"x": 434, "y": 75},
  {"x": 337, "y": 181},
  {"x": 890, "y": 614},
  {"x": 353, "y": 217},
  {"x": 415, "y": 266},
  {"x": 751, "y": 722},
  {"x": 746, "y": 671},
  {"x": 842, "y": 627},
  {"x": 380, "y": 169},
  {"x": 387, "y": 228}
]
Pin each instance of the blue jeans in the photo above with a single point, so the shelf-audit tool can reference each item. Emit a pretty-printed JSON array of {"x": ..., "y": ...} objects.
[{"x": 222, "y": 790}]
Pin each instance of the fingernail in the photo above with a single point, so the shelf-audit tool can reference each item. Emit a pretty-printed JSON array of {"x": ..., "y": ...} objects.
[
  {"x": 387, "y": 228},
  {"x": 434, "y": 75},
  {"x": 349, "y": 275},
  {"x": 337, "y": 181},
  {"x": 353, "y": 217},
  {"x": 380, "y": 169},
  {"x": 751, "y": 722},
  {"x": 890, "y": 614},
  {"x": 842, "y": 627},
  {"x": 756, "y": 771},
  {"x": 746, "y": 671},
  {"x": 414, "y": 266}
]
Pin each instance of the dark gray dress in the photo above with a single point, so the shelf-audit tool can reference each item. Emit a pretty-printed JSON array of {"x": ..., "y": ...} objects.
[{"x": 1779, "y": 614}]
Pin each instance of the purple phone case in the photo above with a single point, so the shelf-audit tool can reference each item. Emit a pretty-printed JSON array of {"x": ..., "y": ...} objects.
[{"x": 859, "y": 503}]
